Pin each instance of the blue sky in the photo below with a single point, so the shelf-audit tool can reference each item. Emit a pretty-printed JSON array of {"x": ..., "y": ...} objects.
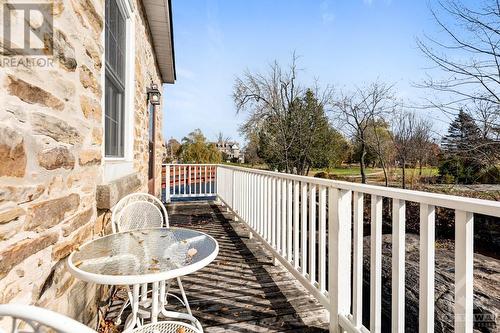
[{"x": 343, "y": 43}]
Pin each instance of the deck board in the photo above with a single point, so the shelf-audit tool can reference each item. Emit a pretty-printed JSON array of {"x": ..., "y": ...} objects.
[{"x": 241, "y": 290}]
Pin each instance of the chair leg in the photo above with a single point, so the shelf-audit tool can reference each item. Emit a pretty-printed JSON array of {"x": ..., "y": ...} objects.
[{"x": 118, "y": 319}]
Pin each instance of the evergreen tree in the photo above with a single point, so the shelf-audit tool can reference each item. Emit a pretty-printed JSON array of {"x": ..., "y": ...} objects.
[
  {"x": 463, "y": 150},
  {"x": 463, "y": 137}
]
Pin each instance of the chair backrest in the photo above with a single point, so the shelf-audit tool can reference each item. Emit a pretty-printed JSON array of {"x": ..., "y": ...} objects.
[
  {"x": 27, "y": 318},
  {"x": 139, "y": 215},
  {"x": 137, "y": 197}
]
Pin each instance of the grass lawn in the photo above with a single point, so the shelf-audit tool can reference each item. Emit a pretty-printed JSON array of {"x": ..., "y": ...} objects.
[
  {"x": 354, "y": 171},
  {"x": 347, "y": 171}
]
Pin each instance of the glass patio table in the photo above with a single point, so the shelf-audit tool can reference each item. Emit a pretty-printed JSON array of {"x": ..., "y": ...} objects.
[{"x": 132, "y": 258}]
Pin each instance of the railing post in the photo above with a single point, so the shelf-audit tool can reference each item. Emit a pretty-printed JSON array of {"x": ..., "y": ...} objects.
[
  {"x": 427, "y": 244},
  {"x": 232, "y": 189},
  {"x": 167, "y": 182},
  {"x": 464, "y": 271},
  {"x": 339, "y": 258}
]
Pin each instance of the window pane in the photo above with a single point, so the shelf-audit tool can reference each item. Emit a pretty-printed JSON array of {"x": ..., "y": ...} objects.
[{"x": 115, "y": 80}]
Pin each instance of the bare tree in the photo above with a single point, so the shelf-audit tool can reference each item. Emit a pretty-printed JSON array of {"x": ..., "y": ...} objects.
[
  {"x": 380, "y": 141},
  {"x": 222, "y": 139},
  {"x": 422, "y": 143},
  {"x": 412, "y": 141},
  {"x": 468, "y": 53},
  {"x": 404, "y": 131},
  {"x": 357, "y": 110}
]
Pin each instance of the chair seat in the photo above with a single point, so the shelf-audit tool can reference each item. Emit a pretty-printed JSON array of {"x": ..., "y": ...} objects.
[{"x": 166, "y": 327}]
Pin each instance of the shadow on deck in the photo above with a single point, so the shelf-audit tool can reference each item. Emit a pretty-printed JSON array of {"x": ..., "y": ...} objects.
[{"x": 241, "y": 290}]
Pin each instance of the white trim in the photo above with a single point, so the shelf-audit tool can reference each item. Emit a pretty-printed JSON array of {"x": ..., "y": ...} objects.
[{"x": 116, "y": 167}]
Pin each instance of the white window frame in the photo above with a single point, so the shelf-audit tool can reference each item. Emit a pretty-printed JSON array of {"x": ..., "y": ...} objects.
[{"x": 117, "y": 167}]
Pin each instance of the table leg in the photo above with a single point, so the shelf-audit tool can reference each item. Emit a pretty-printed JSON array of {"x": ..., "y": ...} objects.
[{"x": 154, "y": 306}]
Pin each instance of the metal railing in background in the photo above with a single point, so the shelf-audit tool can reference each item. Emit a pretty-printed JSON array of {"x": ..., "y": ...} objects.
[
  {"x": 314, "y": 227},
  {"x": 188, "y": 181}
]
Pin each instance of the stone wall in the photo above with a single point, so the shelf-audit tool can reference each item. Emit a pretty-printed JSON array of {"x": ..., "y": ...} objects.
[
  {"x": 51, "y": 160},
  {"x": 146, "y": 70}
]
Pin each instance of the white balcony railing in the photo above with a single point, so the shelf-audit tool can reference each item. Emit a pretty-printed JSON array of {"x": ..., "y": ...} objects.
[
  {"x": 188, "y": 181},
  {"x": 314, "y": 227}
]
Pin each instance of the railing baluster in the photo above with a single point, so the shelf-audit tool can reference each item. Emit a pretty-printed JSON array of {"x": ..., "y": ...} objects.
[
  {"x": 261, "y": 206},
  {"x": 339, "y": 255},
  {"x": 201, "y": 182},
  {"x": 283, "y": 219},
  {"x": 464, "y": 270},
  {"x": 312, "y": 233},
  {"x": 174, "y": 178},
  {"x": 278, "y": 215},
  {"x": 426, "y": 296},
  {"x": 185, "y": 179},
  {"x": 273, "y": 214},
  {"x": 376, "y": 264},
  {"x": 252, "y": 198},
  {"x": 206, "y": 181},
  {"x": 210, "y": 179},
  {"x": 357, "y": 278},
  {"x": 167, "y": 183},
  {"x": 195, "y": 181},
  {"x": 289, "y": 218},
  {"x": 296, "y": 214},
  {"x": 189, "y": 180},
  {"x": 303, "y": 229},
  {"x": 265, "y": 210},
  {"x": 398, "y": 265},
  {"x": 322, "y": 239}
]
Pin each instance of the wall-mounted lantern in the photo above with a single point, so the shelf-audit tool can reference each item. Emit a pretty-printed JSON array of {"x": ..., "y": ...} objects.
[{"x": 153, "y": 94}]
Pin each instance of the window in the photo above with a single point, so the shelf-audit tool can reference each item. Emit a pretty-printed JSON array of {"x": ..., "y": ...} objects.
[{"x": 114, "y": 95}]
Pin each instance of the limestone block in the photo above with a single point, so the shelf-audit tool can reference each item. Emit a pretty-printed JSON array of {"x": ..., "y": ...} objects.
[
  {"x": 32, "y": 94},
  {"x": 46, "y": 214},
  {"x": 64, "y": 51},
  {"x": 55, "y": 158},
  {"x": 63, "y": 249},
  {"x": 90, "y": 157},
  {"x": 21, "y": 250},
  {"x": 20, "y": 194},
  {"x": 77, "y": 221},
  {"x": 55, "y": 128},
  {"x": 88, "y": 80},
  {"x": 12, "y": 153},
  {"x": 10, "y": 211},
  {"x": 91, "y": 108}
]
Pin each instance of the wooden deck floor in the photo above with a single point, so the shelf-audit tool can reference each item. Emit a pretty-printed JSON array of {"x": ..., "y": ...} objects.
[{"x": 242, "y": 291}]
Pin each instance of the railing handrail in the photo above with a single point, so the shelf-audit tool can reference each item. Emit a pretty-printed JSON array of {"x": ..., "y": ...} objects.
[{"x": 473, "y": 205}]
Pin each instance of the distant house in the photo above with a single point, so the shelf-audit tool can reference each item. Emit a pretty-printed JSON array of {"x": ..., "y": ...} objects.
[{"x": 231, "y": 151}]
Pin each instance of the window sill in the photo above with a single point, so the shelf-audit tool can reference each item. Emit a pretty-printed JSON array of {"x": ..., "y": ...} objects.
[{"x": 117, "y": 168}]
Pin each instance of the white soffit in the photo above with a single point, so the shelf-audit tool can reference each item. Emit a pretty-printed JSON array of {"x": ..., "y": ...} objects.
[{"x": 160, "y": 24}]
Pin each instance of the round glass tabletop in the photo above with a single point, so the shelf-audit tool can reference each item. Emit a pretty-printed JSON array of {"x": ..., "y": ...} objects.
[{"x": 143, "y": 256}]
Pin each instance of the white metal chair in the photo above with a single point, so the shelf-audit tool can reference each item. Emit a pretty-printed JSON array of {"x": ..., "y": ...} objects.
[
  {"x": 38, "y": 320},
  {"x": 116, "y": 217},
  {"x": 27, "y": 318},
  {"x": 167, "y": 327},
  {"x": 140, "y": 211}
]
